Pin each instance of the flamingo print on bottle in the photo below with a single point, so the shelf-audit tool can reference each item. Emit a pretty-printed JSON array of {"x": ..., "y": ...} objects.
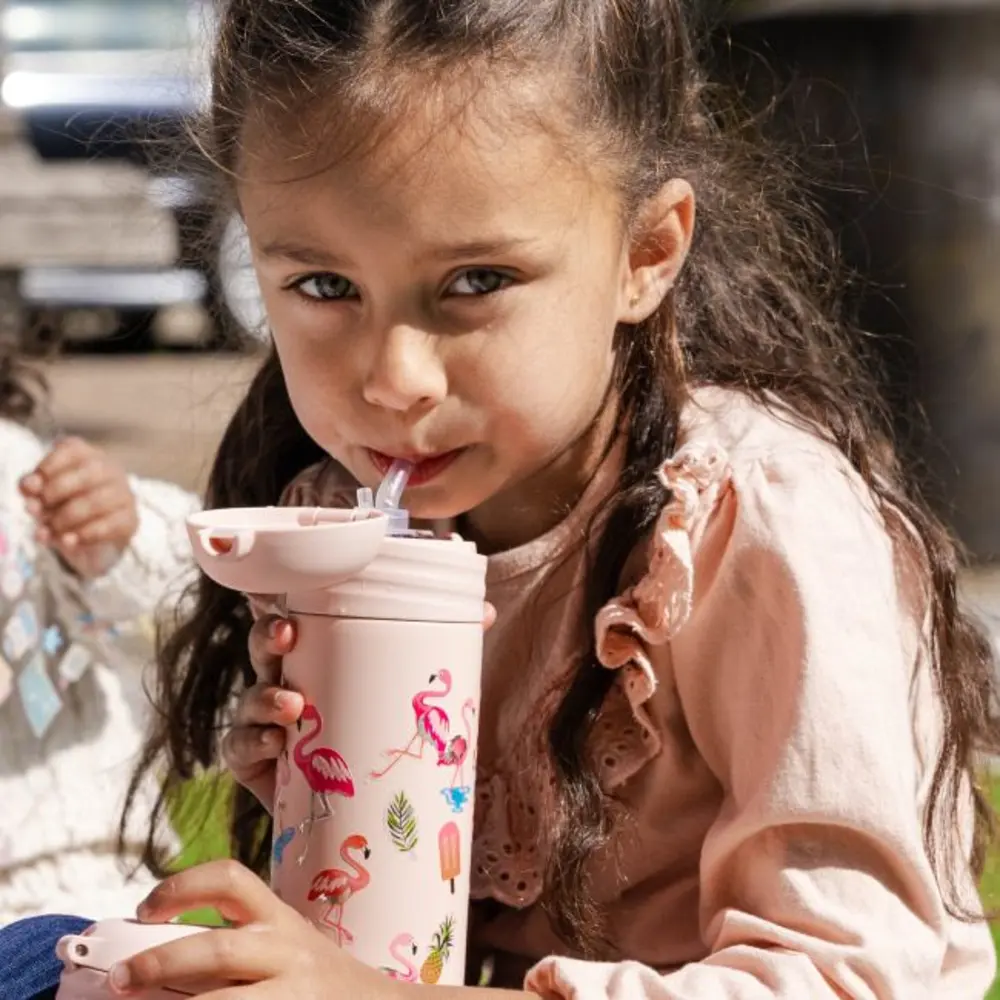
[
  {"x": 458, "y": 793},
  {"x": 325, "y": 771},
  {"x": 457, "y": 750},
  {"x": 335, "y": 886},
  {"x": 403, "y": 949},
  {"x": 432, "y": 726}
]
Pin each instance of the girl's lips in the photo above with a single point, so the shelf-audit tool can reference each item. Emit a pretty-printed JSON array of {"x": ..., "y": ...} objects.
[{"x": 424, "y": 470}]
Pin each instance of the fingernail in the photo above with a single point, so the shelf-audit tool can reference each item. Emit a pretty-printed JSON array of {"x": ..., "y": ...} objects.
[
  {"x": 120, "y": 977},
  {"x": 284, "y": 699}
]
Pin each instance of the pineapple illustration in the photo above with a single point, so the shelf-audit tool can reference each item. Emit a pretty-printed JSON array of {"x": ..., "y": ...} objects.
[{"x": 444, "y": 939}]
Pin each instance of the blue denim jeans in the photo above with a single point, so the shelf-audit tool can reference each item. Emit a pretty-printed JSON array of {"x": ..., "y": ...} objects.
[{"x": 29, "y": 969}]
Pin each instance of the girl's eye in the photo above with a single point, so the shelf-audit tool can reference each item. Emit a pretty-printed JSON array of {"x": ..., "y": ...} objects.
[
  {"x": 479, "y": 281},
  {"x": 325, "y": 287}
]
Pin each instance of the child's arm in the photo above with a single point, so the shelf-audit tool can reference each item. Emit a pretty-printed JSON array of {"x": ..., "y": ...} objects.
[{"x": 802, "y": 675}]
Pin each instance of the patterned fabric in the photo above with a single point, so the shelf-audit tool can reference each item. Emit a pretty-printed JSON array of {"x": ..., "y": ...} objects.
[
  {"x": 49, "y": 638},
  {"x": 74, "y": 706}
]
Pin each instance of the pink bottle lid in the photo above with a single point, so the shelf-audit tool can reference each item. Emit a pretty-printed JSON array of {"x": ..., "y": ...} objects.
[
  {"x": 340, "y": 562},
  {"x": 276, "y": 550}
]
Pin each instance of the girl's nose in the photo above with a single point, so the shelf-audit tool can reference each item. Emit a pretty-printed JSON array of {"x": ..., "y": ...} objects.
[{"x": 406, "y": 373}]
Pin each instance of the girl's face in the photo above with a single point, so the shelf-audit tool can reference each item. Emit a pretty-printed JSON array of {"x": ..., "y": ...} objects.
[{"x": 450, "y": 298}]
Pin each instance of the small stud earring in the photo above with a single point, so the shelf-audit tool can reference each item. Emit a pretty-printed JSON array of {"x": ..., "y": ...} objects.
[{"x": 635, "y": 300}]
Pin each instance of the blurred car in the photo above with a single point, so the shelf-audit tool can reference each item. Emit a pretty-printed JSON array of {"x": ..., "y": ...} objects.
[
  {"x": 94, "y": 77},
  {"x": 99, "y": 79}
]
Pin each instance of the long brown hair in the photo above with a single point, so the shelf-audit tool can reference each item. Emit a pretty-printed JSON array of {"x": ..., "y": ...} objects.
[
  {"x": 754, "y": 309},
  {"x": 22, "y": 387}
]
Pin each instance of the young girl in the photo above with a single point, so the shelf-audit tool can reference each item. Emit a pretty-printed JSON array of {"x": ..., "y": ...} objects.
[
  {"x": 85, "y": 553},
  {"x": 731, "y": 713}
]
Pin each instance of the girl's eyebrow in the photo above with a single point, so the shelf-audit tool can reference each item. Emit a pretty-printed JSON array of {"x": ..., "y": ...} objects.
[
  {"x": 480, "y": 248},
  {"x": 312, "y": 256},
  {"x": 301, "y": 253}
]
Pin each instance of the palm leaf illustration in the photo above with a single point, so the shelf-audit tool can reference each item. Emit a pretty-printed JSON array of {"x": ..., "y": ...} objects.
[{"x": 401, "y": 821}]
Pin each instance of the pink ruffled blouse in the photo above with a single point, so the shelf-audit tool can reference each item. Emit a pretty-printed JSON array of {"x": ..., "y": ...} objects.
[{"x": 771, "y": 733}]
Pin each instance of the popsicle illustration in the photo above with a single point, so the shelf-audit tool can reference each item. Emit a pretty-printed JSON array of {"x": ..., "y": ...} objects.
[{"x": 449, "y": 848}]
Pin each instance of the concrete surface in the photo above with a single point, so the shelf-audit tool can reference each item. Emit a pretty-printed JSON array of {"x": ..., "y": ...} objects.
[{"x": 160, "y": 414}]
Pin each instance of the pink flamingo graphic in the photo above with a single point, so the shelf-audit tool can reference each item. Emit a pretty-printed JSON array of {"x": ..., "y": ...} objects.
[
  {"x": 325, "y": 771},
  {"x": 403, "y": 949},
  {"x": 432, "y": 725},
  {"x": 335, "y": 886},
  {"x": 457, "y": 750}
]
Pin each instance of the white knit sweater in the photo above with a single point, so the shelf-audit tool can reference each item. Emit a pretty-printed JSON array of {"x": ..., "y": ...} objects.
[{"x": 61, "y": 794}]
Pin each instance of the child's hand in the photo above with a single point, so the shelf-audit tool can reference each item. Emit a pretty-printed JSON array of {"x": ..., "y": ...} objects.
[
  {"x": 271, "y": 949},
  {"x": 251, "y": 748},
  {"x": 83, "y": 505}
]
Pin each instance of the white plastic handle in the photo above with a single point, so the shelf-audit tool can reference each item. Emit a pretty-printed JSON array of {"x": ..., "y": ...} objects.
[
  {"x": 225, "y": 544},
  {"x": 78, "y": 951}
]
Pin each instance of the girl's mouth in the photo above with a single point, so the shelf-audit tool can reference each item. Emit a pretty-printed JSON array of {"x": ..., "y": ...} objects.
[{"x": 424, "y": 469}]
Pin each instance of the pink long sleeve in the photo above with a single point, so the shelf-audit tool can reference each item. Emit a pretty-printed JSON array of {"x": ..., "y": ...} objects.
[{"x": 801, "y": 676}]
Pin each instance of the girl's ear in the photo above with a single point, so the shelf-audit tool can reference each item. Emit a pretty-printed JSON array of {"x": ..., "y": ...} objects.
[{"x": 661, "y": 238}]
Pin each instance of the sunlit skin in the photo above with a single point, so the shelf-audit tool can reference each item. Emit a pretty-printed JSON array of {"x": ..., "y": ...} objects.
[{"x": 457, "y": 288}]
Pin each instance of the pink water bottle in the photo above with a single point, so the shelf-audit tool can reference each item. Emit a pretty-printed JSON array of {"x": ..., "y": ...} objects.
[{"x": 373, "y": 810}]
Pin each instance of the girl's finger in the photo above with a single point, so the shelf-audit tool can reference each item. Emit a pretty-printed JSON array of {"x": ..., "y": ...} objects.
[
  {"x": 66, "y": 453},
  {"x": 224, "y": 954},
  {"x": 104, "y": 501},
  {"x": 239, "y": 896},
  {"x": 80, "y": 479},
  {"x": 32, "y": 485},
  {"x": 250, "y": 753},
  {"x": 268, "y": 705},
  {"x": 114, "y": 527},
  {"x": 263, "y": 990},
  {"x": 489, "y": 616},
  {"x": 246, "y": 748},
  {"x": 271, "y": 638}
]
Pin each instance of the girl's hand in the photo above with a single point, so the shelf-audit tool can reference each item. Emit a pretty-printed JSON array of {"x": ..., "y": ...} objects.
[
  {"x": 271, "y": 949},
  {"x": 252, "y": 747},
  {"x": 83, "y": 504}
]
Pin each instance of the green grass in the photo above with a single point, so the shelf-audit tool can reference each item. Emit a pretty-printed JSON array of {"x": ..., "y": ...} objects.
[
  {"x": 199, "y": 814},
  {"x": 990, "y": 887}
]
